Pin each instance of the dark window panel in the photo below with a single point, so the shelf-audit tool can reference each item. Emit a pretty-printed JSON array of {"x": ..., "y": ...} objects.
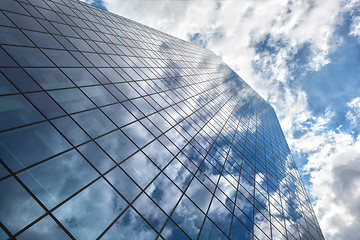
[
  {"x": 6, "y": 60},
  {"x": 13, "y": 6},
  {"x": 45, "y": 104},
  {"x": 25, "y": 22},
  {"x": 80, "y": 76},
  {"x": 16, "y": 111},
  {"x": 5, "y": 21},
  {"x": 13, "y": 197},
  {"x": 49, "y": 78},
  {"x": 62, "y": 58},
  {"x": 13, "y": 36},
  {"x": 28, "y": 57},
  {"x": 72, "y": 100},
  {"x": 70, "y": 130},
  {"x": 43, "y": 40},
  {"x": 17, "y": 146},
  {"x": 94, "y": 122}
]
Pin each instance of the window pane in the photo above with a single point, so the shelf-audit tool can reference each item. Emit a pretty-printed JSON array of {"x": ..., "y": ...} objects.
[
  {"x": 45, "y": 104},
  {"x": 119, "y": 114},
  {"x": 25, "y": 22},
  {"x": 47, "y": 228},
  {"x": 16, "y": 111},
  {"x": 13, "y": 36},
  {"x": 164, "y": 193},
  {"x": 26, "y": 56},
  {"x": 19, "y": 148},
  {"x": 49, "y": 78},
  {"x": 117, "y": 145},
  {"x": 94, "y": 122},
  {"x": 5, "y": 59},
  {"x": 123, "y": 184},
  {"x": 43, "y": 40},
  {"x": 99, "y": 95},
  {"x": 88, "y": 214},
  {"x": 96, "y": 156},
  {"x": 140, "y": 169},
  {"x": 130, "y": 226},
  {"x": 188, "y": 217},
  {"x": 55, "y": 180},
  {"x": 72, "y": 100},
  {"x": 70, "y": 130},
  {"x": 62, "y": 58},
  {"x": 21, "y": 79},
  {"x": 80, "y": 76},
  {"x": 17, "y": 207}
]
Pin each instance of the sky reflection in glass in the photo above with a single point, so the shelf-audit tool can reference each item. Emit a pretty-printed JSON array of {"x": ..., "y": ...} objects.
[{"x": 110, "y": 129}]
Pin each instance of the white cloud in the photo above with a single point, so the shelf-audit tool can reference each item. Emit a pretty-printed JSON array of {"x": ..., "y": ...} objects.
[
  {"x": 355, "y": 27},
  {"x": 335, "y": 176},
  {"x": 353, "y": 115}
]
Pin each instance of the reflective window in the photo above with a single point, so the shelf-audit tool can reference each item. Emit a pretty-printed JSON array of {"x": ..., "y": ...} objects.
[
  {"x": 80, "y": 76},
  {"x": 16, "y": 111},
  {"x": 47, "y": 228},
  {"x": 123, "y": 184},
  {"x": 17, "y": 207},
  {"x": 72, "y": 100},
  {"x": 142, "y": 175},
  {"x": 25, "y": 22},
  {"x": 138, "y": 134},
  {"x": 94, "y": 122},
  {"x": 28, "y": 56},
  {"x": 99, "y": 95},
  {"x": 13, "y": 36},
  {"x": 130, "y": 225},
  {"x": 91, "y": 211},
  {"x": 49, "y": 78},
  {"x": 45, "y": 104},
  {"x": 17, "y": 146},
  {"x": 70, "y": 130},
  {"x": 119, "y": 114},
  {"x": 188, "y": 217},
  {"x": 117, "y": 145},
  {"x": 62, "y": 58},
  {"x": 20, "y": 79},
  {"x": 150, "y": 211},
  {"x": 70, "y": 172},
  {"x": 43, "y": 40}
]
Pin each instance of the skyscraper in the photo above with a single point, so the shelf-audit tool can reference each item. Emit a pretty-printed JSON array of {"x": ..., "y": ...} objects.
[{"x": 110, "y": 129}]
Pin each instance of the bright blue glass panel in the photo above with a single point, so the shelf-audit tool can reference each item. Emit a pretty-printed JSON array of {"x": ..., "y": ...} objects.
[
  {"x": 55, "y": 180},
  {"x": 88, "y": 214}
]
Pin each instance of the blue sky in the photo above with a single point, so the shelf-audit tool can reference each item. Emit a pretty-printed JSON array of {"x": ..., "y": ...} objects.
[{"x": 304, "y": 58}]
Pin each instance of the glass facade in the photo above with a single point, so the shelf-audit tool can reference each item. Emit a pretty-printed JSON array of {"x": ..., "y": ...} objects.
[{"x": 113, "y": 130}]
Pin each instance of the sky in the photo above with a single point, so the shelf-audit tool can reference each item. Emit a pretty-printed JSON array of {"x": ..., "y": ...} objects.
[{"x": 303, "y": 57}]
